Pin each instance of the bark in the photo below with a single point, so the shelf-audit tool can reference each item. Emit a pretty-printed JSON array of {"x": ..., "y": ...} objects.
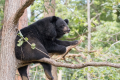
[
  {"x": 8, "y": 62},
  {"x": 23, "y": 21},
  {"x": 7, "y": 57}
]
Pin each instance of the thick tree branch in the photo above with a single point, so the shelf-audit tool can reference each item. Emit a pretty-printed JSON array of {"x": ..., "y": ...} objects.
[
  {"x": 20, "y": 11},
  {"x": 77, "y": 66}
]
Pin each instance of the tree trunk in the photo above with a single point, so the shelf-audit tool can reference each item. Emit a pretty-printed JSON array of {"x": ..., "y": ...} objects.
[
  {"x": 7, "y": 56},
  {"x": 50, "y": 11},
  {"x": 89, "y": 37}
]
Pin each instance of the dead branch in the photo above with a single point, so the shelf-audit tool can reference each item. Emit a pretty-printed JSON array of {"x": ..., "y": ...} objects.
[
  {"x": 84, "y": 50},
  {"x": 20, "y": 11},
  {"x": 75, "y": 55},
  {"x": 76, "y": 60},
  {"x": 81, "y": 65}
]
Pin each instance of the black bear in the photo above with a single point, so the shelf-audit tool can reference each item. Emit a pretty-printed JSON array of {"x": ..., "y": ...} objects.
[{"x": 44, "y": 33}]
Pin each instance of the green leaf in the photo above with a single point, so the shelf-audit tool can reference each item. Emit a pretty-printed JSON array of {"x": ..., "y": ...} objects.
[
  {"x": 33, "y": 45},
  {"x": 20, "y": 34},
  {"x": 26, "y": 39},
  {"x": 20, "y": 42}
]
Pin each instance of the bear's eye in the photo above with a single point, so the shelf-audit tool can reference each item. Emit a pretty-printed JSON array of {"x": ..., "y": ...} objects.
[{"x": 63, "y": 25}]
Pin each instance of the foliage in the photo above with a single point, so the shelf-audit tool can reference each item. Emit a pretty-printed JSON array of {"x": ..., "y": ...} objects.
[{"x": 2, "y": 2}]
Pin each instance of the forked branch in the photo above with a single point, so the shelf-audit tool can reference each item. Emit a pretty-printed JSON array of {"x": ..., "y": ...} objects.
[{"x": 20, "y": 11}]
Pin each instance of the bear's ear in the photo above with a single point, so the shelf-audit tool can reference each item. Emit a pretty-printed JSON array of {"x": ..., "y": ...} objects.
[
  {"x": 66, "y": 20},
  {"x": 54, "y": 19}
]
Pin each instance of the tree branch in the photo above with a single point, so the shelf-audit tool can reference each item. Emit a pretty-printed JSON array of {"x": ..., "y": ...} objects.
[
  {"x": 20, "y": 11},
  {"x": 75, "y": 55},
  {"x": 112, "y": 45},
  {"x": 77, "y": 66},
  {"x": 96, "y": 16},
  {"x": 85, "y": 51},
  {"x": 92, "y": 2}
]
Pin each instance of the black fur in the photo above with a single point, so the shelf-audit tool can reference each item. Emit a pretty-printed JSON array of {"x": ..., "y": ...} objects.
[{"x": 44, "y": 33}]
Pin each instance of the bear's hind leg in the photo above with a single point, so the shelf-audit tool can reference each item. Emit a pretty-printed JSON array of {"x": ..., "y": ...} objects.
[
  {"x": 47, "y": 70},
  {"x": 23, "y": 72}
]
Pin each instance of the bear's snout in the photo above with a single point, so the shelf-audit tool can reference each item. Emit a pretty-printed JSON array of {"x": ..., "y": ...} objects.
[{"x": 66, "y": 29}]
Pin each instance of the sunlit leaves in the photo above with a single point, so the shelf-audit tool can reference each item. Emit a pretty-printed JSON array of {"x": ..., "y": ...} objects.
[
  {"x": 21, "y": 40},
  {"x": 33, "y": 45}
]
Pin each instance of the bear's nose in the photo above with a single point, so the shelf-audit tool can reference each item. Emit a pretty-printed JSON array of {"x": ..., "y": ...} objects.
[{"x": 68, "y": 30}]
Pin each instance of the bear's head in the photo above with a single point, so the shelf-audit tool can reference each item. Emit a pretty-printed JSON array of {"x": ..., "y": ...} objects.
[{"x": 61, "y": 26}]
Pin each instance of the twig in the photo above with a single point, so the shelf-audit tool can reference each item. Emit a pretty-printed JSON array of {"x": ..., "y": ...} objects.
[
  {"x": 85, "y": 51},
  {"x": 75, "y": 55},
  {"x": 66, "y": 60},
  {"x": 76, "y": 60},
  {"x": 35, "y": 74},
  {"x": 96, "y": 16},
  {"x": 35, "y": 47},
  {"x": 112, "y": 45},
  {"x": 115, "y": 34},
  {"x": 92, "y": 2}
]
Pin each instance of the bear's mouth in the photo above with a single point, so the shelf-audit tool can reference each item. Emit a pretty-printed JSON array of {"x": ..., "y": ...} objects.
[{"x": 65, "y": 32}]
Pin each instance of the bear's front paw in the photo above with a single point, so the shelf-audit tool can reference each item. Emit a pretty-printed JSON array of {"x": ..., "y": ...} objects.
[{"x": 74, "y": 42}]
